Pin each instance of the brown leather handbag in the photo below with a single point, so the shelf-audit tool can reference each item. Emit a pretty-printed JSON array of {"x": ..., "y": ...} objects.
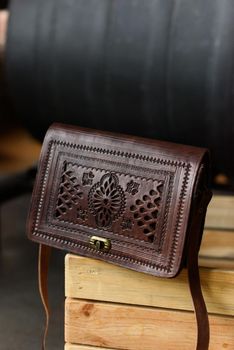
[{"x": 134, "y": 202}]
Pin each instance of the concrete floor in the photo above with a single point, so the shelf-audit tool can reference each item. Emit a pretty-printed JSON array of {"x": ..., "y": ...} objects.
[{"x": 21, "y": 313}]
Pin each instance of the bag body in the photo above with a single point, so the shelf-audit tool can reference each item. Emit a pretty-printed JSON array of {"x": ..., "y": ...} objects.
[{"x": 130, "y": 201}]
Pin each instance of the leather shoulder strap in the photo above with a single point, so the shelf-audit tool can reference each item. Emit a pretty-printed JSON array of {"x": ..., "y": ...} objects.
[
  {"x": 43, "y": 267},
  {"x": 203, "y": 331}
]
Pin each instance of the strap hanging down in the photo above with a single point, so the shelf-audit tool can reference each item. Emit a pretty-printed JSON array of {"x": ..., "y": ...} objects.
[
  {"x": 43, "y": 267},
  {"x": 203, "y": 332},
  {"x": 203, "y": 329}
]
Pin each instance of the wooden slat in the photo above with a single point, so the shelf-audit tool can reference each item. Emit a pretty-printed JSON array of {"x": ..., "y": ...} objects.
[
  {"x": 136, "y": 328},
  {"x": 97, "y": 280},
  {"x": 83, "y": 347},
  {"x": 217, "y": 244},
  {"x": 220, "y": 212},
  {"x": 217, "y": 249},
  {"x": 219, "y": 263}
]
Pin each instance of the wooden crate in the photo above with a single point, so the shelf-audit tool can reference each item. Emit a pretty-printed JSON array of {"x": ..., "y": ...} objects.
[
  {"x": 115, "y": 308},
  {"x": 109, "y": 307},
  {"x": 120, "y": 326}
]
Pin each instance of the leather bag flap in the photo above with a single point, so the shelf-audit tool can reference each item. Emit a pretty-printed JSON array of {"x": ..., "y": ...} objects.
[{"x": 122, "y": 199}]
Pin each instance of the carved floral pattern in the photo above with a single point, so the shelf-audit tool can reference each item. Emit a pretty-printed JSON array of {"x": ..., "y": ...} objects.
[
  {"x": 87, "y": 179},
  {"x": 82, "y": 214},
  {"x": 106, "y": 200},
  {"x": 126, "y": 224},
  {"x": 132, "y": 187}
]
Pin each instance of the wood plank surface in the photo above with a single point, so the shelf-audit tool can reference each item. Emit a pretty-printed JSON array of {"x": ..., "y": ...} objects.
[
  {"x": 97, "y": 280},
  {"x": 135, "y": 328},
  {"x": 220, "y": 212},
  {"x": 217, "y": 249},
  {"x": 219, "y": 263},
  {"x": 83, "y": 347},
  {"x": 217, "y": 244}
]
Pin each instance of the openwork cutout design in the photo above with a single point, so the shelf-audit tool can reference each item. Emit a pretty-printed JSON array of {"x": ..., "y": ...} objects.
[
  {"x": 106, "y": 200},
  {"x": 109, "y": 202},
  {"x": 70, "y": 194},
  {"x": 145, "y": 211}
]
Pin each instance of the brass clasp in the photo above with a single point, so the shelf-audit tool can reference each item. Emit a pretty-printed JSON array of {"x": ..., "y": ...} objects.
[{"x": 100, "y": 243}]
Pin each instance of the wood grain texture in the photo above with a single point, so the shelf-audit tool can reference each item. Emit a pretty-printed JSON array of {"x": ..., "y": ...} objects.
[
  {"x": 219, "y": 263},
  {"x": 217, "y": 244},
  {"x": 220, "y": 212},
  {"x": 96, "y": 280},
  {"x": 136, "y": 328},
  {"x": 217, "y": 249},
  {"x": 83, "y": 347}
]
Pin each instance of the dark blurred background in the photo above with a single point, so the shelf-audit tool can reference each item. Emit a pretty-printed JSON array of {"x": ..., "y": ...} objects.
[
  {"x": 160, "y": 69},
  {"x": 155, "y": 68}
]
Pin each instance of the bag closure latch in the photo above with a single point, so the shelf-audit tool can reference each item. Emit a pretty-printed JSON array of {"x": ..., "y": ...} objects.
[{"x": 100, "y": 243}]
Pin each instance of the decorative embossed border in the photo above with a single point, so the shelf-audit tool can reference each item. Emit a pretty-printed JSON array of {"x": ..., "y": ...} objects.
[
  {"x": 55, "y": 223},
  {"x": 72, "y": 243}
]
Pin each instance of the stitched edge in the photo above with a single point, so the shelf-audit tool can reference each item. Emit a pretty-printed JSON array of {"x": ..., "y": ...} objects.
[
  {"x": 72, "y": 243},
  {"x": 168, "y": 173}
]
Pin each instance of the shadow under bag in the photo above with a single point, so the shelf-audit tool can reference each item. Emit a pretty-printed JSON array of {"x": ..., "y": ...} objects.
[{"x": 134, "y": 202}]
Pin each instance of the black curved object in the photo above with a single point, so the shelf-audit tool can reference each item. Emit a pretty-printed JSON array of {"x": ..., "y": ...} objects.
[
  {"x": 156, "y": 68},
  {"x": 3, "y": 4}
]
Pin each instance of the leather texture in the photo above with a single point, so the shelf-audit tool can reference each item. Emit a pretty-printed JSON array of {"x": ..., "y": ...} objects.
[
  {"x": 135, "y": 192},
  {"x": 134, "y": 202}
]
